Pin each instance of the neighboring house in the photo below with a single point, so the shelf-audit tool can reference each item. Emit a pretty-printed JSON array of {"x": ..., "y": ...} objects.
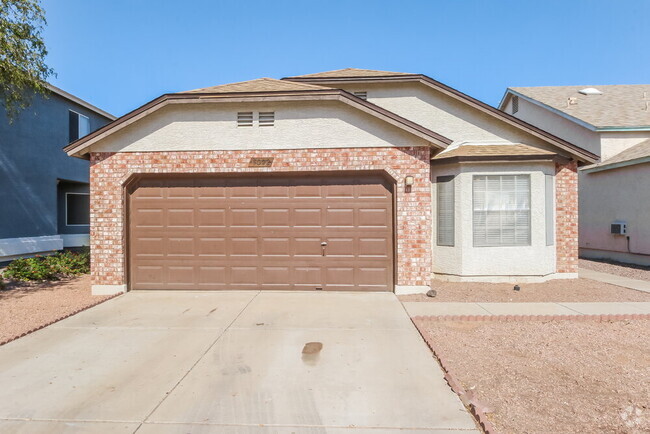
[
  {"x": 344, "y": 180},
  {"x": 614, "y": 123},
  {"x": 44, "y": 194}
]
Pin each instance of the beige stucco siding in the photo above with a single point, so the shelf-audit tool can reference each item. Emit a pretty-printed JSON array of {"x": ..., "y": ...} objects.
[
  {"x": 618, "y": 194},
  {"x": 612, "y": 143},
  {"x": 443, "y": 114},
  {"x": 463, "y": 259},
  {"x": 213, "y": 126},
  {"x": 555, "y": 124}
]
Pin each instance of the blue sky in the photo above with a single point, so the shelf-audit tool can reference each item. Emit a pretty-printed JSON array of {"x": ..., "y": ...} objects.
[{"x": 119, "y": 54}]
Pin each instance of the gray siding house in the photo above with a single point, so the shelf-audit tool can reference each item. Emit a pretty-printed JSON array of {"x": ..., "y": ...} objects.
[{"x": 43, "y": 193}]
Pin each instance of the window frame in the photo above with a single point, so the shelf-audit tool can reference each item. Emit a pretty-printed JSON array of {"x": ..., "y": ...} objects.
[
  {"x": 529, "y": 210},
  {"x": 66, "y": 208},
  {"x": 451, "y": 180},
  {"x": 79, "y": 116}
]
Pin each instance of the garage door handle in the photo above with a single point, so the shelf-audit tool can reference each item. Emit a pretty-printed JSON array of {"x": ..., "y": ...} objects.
[{"x": 323, "y": 245}]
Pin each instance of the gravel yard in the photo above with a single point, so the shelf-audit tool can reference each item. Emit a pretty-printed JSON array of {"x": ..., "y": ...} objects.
[
  {"x": 560, "y": 377},
  {"x": 632, "y": 271},
  {"x": 559, "y": 290},
  {"x": 25, "y": 306}
]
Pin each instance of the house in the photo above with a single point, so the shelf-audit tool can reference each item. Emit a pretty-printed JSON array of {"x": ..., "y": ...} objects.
[
  {"x": 44, "y": 194},
  {"x": 614, "y": 123},
  {"x": 343, "y": 180}
]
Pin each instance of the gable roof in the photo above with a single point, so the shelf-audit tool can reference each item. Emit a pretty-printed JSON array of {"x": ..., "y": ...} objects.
[
  {"x": 259, "y": 85},
  {"x": 517, "y": 151},
  {"x": 260, "y": 90},
  {"x": 637, "y": 154},
  {"x": 617, "y": 107},
  {"x": 330, "y": 78},
  {"x": 350, "y": 72}
]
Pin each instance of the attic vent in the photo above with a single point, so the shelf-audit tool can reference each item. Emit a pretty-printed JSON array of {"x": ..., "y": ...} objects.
[
  {"x": 245, "y": 119},
  {"x": 515, "y": 104},
  {"x": 590, "y": 91},
  {"x": 267, "y": 119},
  {"x": 363, "y": 94}
]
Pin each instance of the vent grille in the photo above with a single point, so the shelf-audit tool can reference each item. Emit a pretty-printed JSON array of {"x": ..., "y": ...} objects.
[
  {"x": 361, "y": 94},
  {"x": 515, "y": 104},
  {"x": 267, "y": 119},
  {"x": 245, "y": 119}
]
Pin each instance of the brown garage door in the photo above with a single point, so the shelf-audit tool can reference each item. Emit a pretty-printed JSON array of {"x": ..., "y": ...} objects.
[{"x": 263, "y": 232}]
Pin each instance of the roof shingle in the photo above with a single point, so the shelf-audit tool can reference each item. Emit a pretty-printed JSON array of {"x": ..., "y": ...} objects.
[
  {"x": 351, "y": 72},
  {"x": 259, "y": 85},
  {"x": 493, "y": 151},
  {"x": 636, "y": 152},
  {"x": 618, "y": 106}
]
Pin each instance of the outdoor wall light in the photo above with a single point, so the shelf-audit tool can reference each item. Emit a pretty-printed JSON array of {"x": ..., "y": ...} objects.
[{"x": 408, "y": 181}]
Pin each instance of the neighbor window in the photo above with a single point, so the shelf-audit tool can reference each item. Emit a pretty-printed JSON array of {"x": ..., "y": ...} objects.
[
  {"x": 501, "y": 210},
  {"x": 445, "y": 205},
  {"x": 79, "y": 125},
  {"x": 77, "y": 209}
]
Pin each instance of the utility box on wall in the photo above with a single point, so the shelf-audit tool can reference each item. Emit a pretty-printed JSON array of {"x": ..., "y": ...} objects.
[{"x": 619, "y": 228}]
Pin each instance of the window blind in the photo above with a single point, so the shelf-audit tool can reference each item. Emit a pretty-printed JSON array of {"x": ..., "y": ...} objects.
[
  {"x": 445, "y": 205},
  {"x": 501, "y": 210}
]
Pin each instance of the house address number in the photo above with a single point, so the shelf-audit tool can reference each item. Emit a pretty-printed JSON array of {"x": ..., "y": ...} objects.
[{"x": 260, "y": 162}]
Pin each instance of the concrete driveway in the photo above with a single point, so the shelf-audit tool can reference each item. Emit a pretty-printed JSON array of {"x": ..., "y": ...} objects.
[{"x": 229, "y": 362}]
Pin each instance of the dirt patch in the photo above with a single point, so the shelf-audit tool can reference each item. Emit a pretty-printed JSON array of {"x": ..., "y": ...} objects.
[
  {"x": 26, "y": 306},
  {"x": 563, "y": 376},
  {"x": 632, "y": 271},
  {"x": 559, "y": 290}
]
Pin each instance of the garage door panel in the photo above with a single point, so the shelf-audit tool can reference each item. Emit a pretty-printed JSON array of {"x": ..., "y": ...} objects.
[
  {"x": 243, "y": 217},
  {"x": 211, "y": 217},
  {"x": 275, "y": 217},
  {"x": 261, "y": 232}
]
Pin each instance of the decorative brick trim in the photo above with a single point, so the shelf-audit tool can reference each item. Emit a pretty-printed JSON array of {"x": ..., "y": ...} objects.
[
  {"x": 108, "y": 171},
  {"x": 566, "y": 217},
  {"x": 476, "y": 408},
  {"x": 42, "y": 326}
]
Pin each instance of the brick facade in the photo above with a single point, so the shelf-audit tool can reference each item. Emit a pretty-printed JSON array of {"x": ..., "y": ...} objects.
[
  {"x": 566, "y": 217},
  {"x": 109, "y": 171}
]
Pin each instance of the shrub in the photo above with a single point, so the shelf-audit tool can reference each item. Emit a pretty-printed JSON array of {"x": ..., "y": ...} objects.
[{"x": 63, "y": 264}]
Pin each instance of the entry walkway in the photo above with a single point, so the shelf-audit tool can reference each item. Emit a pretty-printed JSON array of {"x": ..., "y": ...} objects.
[
  {"x": 448, "y": 308},
  {"x": 626, "y": 282}
]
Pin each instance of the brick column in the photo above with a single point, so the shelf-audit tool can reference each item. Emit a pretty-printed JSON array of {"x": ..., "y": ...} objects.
[{"x": 566, "y": 217}]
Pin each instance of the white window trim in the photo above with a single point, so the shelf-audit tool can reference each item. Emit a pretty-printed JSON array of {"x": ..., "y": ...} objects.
[
  {"x": 66, "y": 207},
  {"x": 530, "y": 210},
  {"x": 79, "y": 124}
]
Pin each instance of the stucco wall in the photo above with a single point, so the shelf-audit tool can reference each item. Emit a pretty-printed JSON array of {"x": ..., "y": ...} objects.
[
  {"x": 443, "y": 114},
  {"x": 556, "y": 124},
  {"x": 615, "y": 142},
  {"x": 618, "y": 194},
  {"x": 31, "y": 161},
  {"x": 463, "y": 258},
  {"x": 298, "y": 125},
  {"x": 413, "y": 208}
]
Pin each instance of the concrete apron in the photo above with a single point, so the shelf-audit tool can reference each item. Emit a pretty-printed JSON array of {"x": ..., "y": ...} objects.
[{"x": 229, "y": 362}]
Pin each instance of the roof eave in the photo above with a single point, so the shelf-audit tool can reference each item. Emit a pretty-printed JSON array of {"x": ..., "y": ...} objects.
[
  {"x": 79, "y": 101},
  {"x": 617, "y": 165},
  {"x": 582, "y": 154},
  {"x": 75, "y": 148},
  {"x": 495, "y": 159}
]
